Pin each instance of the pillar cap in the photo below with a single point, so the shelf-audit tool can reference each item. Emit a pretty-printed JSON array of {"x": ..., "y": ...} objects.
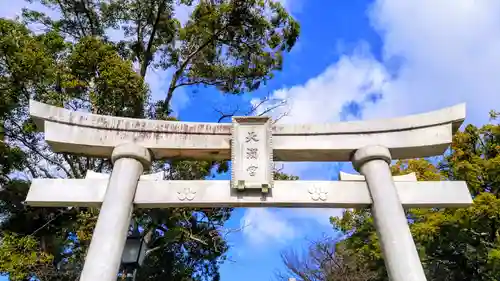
[
  {"x": 132, "y": 150},
  {"x": 368, "y": 153}
]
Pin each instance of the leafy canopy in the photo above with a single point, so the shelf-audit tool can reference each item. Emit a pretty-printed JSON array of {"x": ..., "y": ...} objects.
[
  {"x": 454, "y": 244},
  {"x": 96, "y": 58}
]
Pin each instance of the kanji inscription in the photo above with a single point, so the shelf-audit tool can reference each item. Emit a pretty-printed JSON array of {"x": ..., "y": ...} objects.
[
  {"x": 251, "y": 153},
  {"x": 252, "y": 137},
  {"x": 252, "y": 170}
]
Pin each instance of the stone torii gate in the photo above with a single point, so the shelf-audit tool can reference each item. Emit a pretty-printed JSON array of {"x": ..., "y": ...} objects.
[{"x": 252, "y": 144}]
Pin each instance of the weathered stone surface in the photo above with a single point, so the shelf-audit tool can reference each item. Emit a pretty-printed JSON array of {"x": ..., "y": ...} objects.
[
  {"x": 315, "y": 194},
  {"x": 254, "y": 143},
  {"x": 420, "y": 135},
  {"x": 252, "y": 154},
  {"x": 353, "y": 177},
  {"x": 41, "y": 112},
  {"x": 400, "y": 253},
  {"x": 153, "y": 177},
  {"x": 102, "y": 260}
]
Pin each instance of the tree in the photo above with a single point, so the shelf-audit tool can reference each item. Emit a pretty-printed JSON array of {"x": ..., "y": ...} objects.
[
  {"x": 47, "y": 68},
  {"x": 325, "y": 260},
  {"x": 73, "y": 63},
  {"x": 234, "y": 45},
  {"x": 454, "y": 244}
]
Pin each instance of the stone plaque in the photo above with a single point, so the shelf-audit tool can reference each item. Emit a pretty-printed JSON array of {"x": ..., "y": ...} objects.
[{"x": 252, "y": 153}]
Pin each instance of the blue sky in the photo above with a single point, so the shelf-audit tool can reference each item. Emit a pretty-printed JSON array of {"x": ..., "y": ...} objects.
[{"x": 355, "y": 59}]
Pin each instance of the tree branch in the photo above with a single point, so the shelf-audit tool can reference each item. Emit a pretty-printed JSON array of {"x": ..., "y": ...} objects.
[
  {"x": 179, "y": 71},
  {"x": 147, "y": 53},
  {"x": 255, "y": 108}
]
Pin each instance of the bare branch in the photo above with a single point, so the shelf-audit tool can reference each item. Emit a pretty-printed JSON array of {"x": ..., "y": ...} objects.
[
  {"x": 226, "y": 115},
  {"x": 325, "y": 260},
  {"x": 265, "y": 106}
]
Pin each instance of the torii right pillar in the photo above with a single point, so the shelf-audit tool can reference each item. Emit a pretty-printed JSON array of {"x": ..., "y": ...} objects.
[{"x": 398, "y": 248}]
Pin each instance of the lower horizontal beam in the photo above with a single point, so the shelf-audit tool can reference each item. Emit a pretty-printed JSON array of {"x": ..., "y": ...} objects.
[{"x": 212, "y": 194}]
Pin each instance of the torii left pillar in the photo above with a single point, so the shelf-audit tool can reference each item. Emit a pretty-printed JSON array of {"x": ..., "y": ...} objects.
[{"x": 110, "y": 234}]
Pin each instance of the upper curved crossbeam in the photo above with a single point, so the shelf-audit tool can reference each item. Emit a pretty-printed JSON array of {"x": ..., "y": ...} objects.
[{"x": 420, "y": 135}]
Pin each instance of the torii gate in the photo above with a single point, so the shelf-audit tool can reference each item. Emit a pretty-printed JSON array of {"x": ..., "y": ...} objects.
[{"x": 252, "y": 144}]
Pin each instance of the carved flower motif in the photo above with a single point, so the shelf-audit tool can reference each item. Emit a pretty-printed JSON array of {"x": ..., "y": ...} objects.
[
  {"x": 186, "y": 194},
  {"x": 318, "y": 193}
]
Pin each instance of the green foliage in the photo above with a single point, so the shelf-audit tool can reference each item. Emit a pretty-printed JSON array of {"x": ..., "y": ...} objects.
[
  {"x": 98, "y": 73},
  {"x": 454, "y": 244},
  {"x": 20, "y": 256},
  {"x": 74, "y": 64},
  {"x": 234, "y": 45},
  {"x": 278, "y": 175}
]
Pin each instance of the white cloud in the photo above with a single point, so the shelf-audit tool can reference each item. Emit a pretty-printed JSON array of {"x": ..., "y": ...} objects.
[
  {"x": 353, "y": 78},
  {"x": 450, "y": 52},
  {"x": 183, "y": 12},
  {"x": 13, "y": 9},
  {"x": 435, "y": 54},
  {"x": 262, "y": 225},
  {"x": 279, "y": 226}
]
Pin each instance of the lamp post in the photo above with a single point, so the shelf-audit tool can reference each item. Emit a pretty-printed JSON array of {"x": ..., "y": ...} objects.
[{"x": 134, "y": 251}]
